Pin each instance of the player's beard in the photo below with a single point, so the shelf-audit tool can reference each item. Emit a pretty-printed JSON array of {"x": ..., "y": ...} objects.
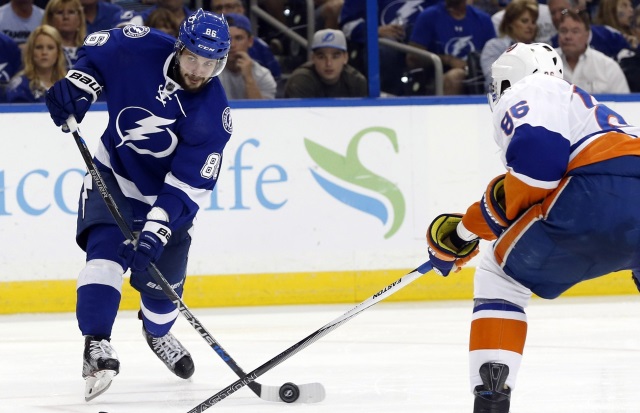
[{"x": 189, "y": 82}]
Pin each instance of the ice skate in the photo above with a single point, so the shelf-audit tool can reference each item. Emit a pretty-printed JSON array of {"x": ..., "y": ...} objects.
[
  {"x": 172, "y": 353},
  {"x": 494, "y": 395},
  {"x": 100, "y": 366}
]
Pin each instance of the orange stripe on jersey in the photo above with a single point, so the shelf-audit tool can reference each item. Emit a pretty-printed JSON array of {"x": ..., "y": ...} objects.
[
  {"x": 512, "y": 234},
  {"x": 498, "y": 333},
  {"x": 520, "y": 196},
  {"x": 608, "y": 146}
]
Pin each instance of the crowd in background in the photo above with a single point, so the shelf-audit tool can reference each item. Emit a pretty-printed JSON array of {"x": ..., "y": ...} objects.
[{"x": 597, "y": 40}]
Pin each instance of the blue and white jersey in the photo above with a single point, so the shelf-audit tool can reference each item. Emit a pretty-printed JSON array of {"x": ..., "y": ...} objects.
[
  {"x": 109, "y": 16},
  {"x": 9, "y": 58},
  {"x": 546, "y": 129},
  {"x": 163, "y": 144},
  {"x": 403, "y": 12},
  {"x": 439, "y": 33},
  {"x": 19, "y": 91}
]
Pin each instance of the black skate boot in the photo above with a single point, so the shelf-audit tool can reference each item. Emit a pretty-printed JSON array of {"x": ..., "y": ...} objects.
[
  {"x": 172, "y": 353},
  {"x": 493, "y": 396},
  {"x": 100, "y": 366}
]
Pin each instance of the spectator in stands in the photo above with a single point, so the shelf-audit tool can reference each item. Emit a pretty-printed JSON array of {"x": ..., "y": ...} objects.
[
  {"x": 102, "y": 15},
  {"x": 179, "y": 11},
  {"x": 602, "y": 38},
  {"x": 630, "y": 64},
  {"x": 259, "y": 50},
  {"x": 227, "y": 6},
  {"x": 617, "y": 14},
  {"x": 546, "y": 28},
  {"x": 452, "y": 30},
  {"x": 588, "y": 68},
  {"x": 517, "y": 26},
  {"x": 19, "y": 18},
  {"x": 68, "y": 17},
  {"x": 9, "y": 62},
  {"x": 328, "y": 74},
  {"x": 162, "y": 20},
  {"x": 395, "y": 22},
  {"x": 242, "y": 77},
  {"x": 328, "y": 13},
  {"x": 44, "y": 64}
]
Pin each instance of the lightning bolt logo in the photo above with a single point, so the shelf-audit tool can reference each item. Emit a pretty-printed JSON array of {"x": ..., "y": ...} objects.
[
  {"x": 146, "y": 127},
  {"x": 88, "y": 186},
  {"x": 3, "y": 73}
]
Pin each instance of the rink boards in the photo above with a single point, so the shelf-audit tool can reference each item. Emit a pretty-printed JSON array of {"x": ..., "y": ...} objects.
[{"x": 322, "y": 203}]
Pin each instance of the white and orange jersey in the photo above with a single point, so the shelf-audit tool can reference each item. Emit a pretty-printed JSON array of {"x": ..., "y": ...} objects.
[{"x": 545, "y": 127}]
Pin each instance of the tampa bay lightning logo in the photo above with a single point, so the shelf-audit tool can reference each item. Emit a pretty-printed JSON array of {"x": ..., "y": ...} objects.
[
  {"x": 145, "y": 133},
  {"x": 134, "y": 31},
  {"x": 459, "y": 46},
  {"x": 226, "y": 120}
]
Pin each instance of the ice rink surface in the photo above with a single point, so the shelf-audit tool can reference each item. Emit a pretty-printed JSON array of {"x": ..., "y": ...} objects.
[{"x": 582, "y": 356}]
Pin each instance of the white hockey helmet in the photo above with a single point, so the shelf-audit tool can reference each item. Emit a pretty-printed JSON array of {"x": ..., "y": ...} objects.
[{"x": 521, "y": 60}]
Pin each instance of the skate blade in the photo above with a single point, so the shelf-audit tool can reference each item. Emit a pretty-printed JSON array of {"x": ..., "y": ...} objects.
[{"x": 97, "y": 384}]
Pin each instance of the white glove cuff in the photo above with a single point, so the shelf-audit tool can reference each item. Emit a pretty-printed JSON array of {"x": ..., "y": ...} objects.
[
  {"x": 158, "y": 214},
  {"x": 161, "y": 231},
  {"x": 464, "y": 233}
]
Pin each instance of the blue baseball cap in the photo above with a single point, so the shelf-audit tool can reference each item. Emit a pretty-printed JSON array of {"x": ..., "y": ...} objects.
[{"x": 240, "y": 21}]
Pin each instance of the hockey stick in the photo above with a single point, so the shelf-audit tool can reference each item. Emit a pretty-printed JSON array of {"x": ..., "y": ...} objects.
[
  {"x": 313, "y": 337},
  {"x": 308, "y": 393}
]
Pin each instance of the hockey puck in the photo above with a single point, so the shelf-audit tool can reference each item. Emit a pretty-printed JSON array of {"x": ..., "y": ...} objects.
[{"x": 289, "y": 392}]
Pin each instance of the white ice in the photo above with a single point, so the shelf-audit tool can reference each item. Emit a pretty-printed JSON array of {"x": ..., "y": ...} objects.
[{"x": 582, "y": 356}]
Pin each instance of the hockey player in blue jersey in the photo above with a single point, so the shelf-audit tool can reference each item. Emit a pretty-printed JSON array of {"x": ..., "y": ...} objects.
[
  {"x": 565, "y": 211},
  {"x": 160, "y": 155}
]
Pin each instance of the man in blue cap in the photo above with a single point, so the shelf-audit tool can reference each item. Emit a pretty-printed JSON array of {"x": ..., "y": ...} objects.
[{"x": 243, "y": 77}]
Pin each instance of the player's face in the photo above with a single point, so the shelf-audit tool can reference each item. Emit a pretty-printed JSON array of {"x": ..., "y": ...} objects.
[
  {"x": 195, "y": 70},
  {"x": 329, "y": 63},
  {"x": 45, "y": 52},
  {"x": 524, "y": 28}
]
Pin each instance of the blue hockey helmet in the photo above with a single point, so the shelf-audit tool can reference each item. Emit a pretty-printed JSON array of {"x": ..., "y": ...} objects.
[{"x": 206, "y": 34}]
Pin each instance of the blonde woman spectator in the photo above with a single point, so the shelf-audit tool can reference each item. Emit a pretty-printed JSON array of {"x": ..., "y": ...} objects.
[
  {"x": 517, "y": 26},
  {"x": 546, "y": 27},
  {"x": 44, "y": 64},
  {"x": 587, "y": 68},
  {"x": 617, "y": 14},
  {"x": 68, "y": 17}
]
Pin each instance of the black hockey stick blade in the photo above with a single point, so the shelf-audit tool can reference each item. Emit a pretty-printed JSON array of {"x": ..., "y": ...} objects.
[
  {"x": 314, "y": 392},
  {"x": 313, "y": 337}
]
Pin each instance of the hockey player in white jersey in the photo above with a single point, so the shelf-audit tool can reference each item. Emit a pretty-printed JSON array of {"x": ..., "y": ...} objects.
[
  {"x": 565, "y": 211},
  {"x": 160, "y": 156}
]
